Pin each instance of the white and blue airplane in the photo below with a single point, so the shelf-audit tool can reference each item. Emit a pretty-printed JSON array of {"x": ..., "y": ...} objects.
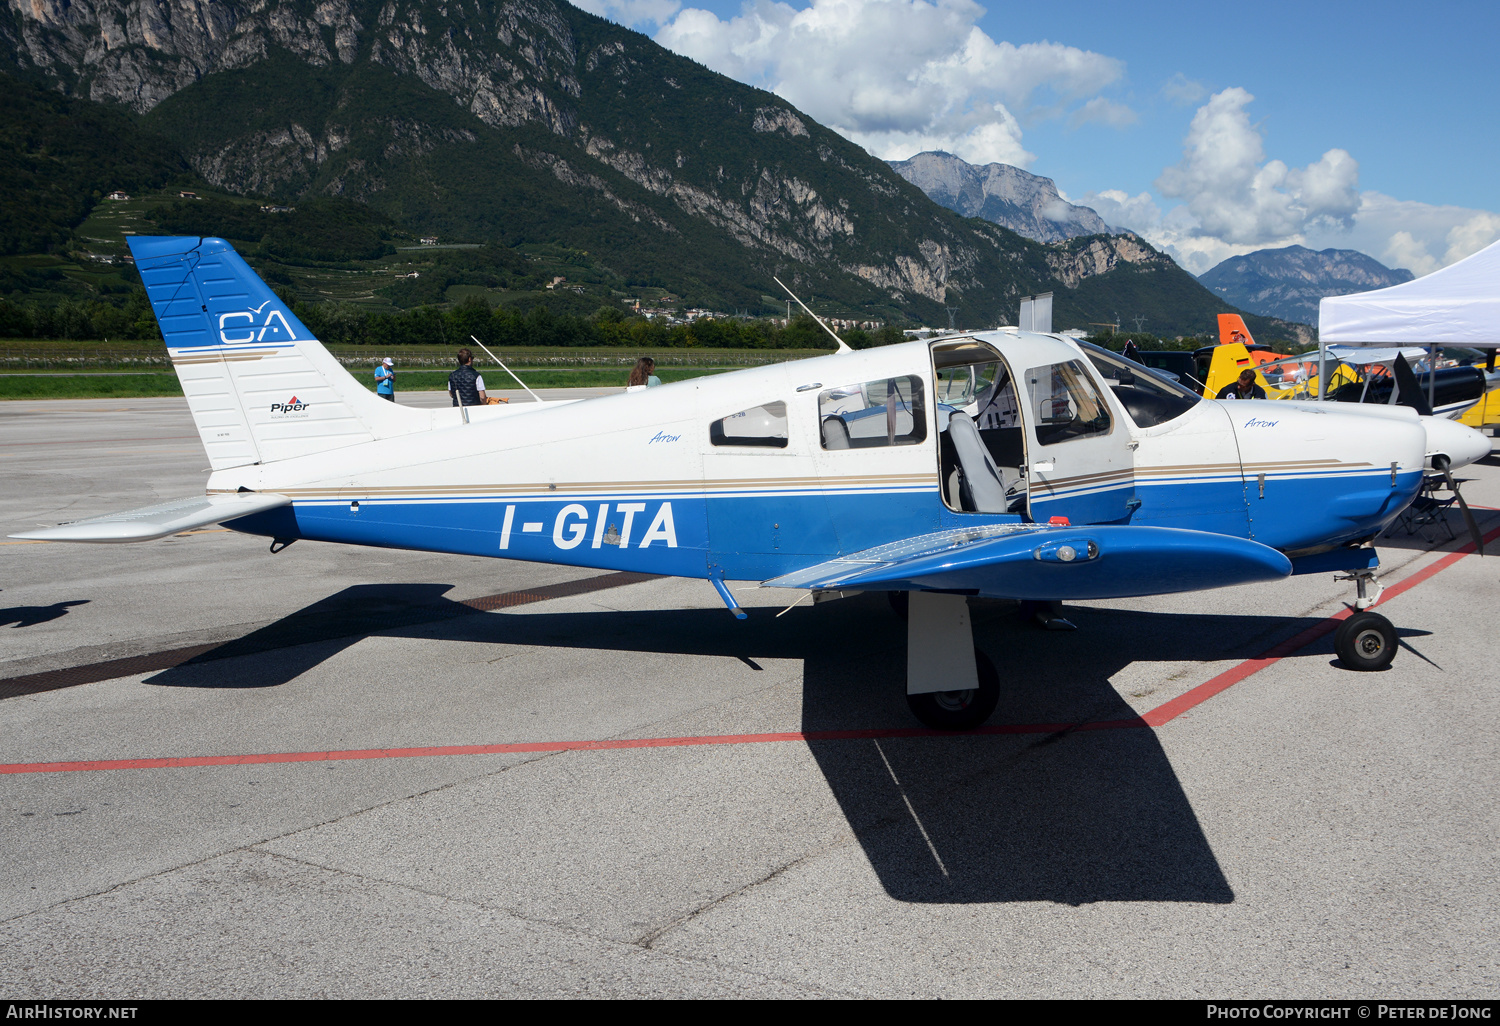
[{"x": 1003, "y": 464}]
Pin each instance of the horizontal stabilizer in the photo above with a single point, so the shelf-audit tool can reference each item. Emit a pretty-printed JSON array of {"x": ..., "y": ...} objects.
[
  {"x": 160, "y": 520},
  {"x": 1028, "y": 561}
]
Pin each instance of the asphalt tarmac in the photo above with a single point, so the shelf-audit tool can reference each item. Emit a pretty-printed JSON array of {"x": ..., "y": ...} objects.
[{"x": 463, "y": 777}]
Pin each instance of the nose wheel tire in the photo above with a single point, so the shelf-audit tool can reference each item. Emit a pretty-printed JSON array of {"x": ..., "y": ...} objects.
[
  {"x": 960, "y": 710},
  {"x": 1366, "y": 641}
]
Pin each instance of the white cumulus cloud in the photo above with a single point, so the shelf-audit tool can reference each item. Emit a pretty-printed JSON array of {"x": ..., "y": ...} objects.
[
  {"x": 1234, "y": 200},
  {"x": 1418, "y": 236},
  {"x": 899, "y": 76},
  {"x": 1238, "y": 196},
  {"x": 631, "y": 12}
]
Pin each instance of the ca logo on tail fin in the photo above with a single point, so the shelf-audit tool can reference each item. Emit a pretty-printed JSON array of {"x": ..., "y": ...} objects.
[{"x": 249, "y": 327}]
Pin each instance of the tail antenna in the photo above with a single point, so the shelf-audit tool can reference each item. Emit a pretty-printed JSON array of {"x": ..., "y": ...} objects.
[
  {"x": 843, "y": 346},
  {"x": 507, "y": 370}
]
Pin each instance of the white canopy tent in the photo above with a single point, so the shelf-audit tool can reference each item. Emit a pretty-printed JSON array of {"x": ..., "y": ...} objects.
[{"x": 1456, "y": 306}]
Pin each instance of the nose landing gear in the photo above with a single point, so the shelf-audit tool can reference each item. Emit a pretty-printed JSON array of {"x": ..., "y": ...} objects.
[{"x": 1365, "y": 641}]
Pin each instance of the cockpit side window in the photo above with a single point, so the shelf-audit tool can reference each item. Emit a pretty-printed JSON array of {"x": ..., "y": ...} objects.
[
  {"x": 1064, "y": 404},
  {"x": 874, "y": 414},
  {"x": 761, "y": 426}
]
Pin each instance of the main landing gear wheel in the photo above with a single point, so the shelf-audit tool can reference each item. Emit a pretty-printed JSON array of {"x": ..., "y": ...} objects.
[
  {"x": 960, "y": 710},
  {"x": 1366, "y": 641}
]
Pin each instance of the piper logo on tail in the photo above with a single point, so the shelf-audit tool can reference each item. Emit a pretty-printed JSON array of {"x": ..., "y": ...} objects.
[
  {"x": 247, "y": 321},
  {"x": 292, "y": 406}
]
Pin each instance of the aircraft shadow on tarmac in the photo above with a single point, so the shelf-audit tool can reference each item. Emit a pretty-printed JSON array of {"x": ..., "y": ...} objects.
[
  {"x": 282, "y": 651},
  {"x": 30, "y": 616},
  {"x": 1071, "y": 817}
]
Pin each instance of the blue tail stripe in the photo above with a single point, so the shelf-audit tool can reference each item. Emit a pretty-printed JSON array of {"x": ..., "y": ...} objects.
[{"x": 204, "y": 295}]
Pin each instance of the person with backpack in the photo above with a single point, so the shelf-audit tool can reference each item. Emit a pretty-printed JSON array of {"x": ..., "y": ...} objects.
[{"x": 466, "y": 385}]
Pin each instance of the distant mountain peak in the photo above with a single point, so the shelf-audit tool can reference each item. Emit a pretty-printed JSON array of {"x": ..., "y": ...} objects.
[
  {"x": 1027, "y": 204},
  {"x": 1289, "y": 282}
]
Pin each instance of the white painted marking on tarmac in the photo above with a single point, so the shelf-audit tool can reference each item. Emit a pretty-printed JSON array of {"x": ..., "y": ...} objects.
[{"x": 914, "y": 818}]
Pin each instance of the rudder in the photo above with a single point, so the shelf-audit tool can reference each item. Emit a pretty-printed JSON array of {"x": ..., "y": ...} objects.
[
  {"x": 1232, "y": 329},
  {"x": 260, "y": 386}
]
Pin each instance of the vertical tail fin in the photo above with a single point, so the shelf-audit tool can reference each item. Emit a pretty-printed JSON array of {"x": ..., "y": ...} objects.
[
  {"x": 1232, "y": 329},
  {"x": 260, "y": 386}
]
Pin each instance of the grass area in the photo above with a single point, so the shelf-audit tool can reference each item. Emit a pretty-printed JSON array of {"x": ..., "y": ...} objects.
[
  {"x": 129, "y": 386},
  {"x": 122, "y": 386},
  {"x": 65, "y": 354},
  {"x": 497, "y": 380}
]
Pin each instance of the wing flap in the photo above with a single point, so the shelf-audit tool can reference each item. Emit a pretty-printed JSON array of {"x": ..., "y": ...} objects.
[
  {"x": 160, "y": 520},
  {"x": 1043, "y": 562}
]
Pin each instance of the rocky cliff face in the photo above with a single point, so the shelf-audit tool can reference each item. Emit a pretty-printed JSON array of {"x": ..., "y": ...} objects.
[
  {"x": 605, "y": 96},
  {"x": 1027, "y": 204},
  {"x": 461, "y": 115},
  {"x": 1088, "y": 257},
  {"x": 1289, "y": 282}
]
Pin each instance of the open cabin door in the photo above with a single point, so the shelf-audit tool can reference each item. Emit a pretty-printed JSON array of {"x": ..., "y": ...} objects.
[
  {"x": 982, "y": 445},
  {"x": 1082, "y": 459}
]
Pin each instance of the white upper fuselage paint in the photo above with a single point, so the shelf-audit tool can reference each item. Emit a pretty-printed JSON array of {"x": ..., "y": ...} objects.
[{"x": 560, "y": 481}]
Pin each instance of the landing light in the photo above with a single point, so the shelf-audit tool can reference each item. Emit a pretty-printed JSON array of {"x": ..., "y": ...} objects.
[{"x": 1077, "y": 550}]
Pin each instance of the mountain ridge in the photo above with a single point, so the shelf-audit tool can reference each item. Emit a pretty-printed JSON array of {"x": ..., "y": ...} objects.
[
  {"x": 1027, "y": 204},
  {"x": 1288, "y": 282},
  {"x": 530, "y": 122}
]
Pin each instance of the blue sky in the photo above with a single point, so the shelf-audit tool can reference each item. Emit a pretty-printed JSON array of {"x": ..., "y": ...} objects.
[{"x": 1372, "y": 126}]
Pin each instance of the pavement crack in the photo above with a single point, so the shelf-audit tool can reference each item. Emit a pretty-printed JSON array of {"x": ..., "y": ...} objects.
[
  {"x": 550, "y": 924},
  {"x": 249, "y": 847},
  {"x": 648, "y": 940}
]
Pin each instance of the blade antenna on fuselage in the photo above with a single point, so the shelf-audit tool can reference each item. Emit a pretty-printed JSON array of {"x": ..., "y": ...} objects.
[
  {"x": 507, "y": 370},
  {"x": 843, "y": 346}
]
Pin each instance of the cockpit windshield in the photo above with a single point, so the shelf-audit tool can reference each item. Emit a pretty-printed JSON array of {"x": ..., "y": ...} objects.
[{"x": 1149, "y": 397}]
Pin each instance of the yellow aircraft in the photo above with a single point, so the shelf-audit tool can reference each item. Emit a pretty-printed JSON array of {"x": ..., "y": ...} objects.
[
  {"x": 1486, "y": 412},
  {"x": 1280, "y": 375}
]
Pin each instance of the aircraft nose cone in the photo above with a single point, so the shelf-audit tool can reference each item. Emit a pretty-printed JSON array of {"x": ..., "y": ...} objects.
[{"x": 1459, "y": 442}]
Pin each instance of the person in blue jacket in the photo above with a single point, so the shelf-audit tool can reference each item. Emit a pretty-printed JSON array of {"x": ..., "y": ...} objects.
[{"x": 385, "y": 379}]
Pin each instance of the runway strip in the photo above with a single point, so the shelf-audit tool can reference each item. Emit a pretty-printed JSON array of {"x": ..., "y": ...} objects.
[
  {"x": 1157, "y": 717},
  {"x": 292, "y": 632}
]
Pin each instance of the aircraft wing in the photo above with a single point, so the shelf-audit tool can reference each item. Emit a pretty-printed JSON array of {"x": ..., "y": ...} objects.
[
  {"x": 160, "y": 520},
  {"x": 1030, "y": 561}
]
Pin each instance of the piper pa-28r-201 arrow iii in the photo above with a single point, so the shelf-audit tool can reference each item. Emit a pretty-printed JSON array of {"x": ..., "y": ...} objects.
[{"x": 1004, "y": 464}]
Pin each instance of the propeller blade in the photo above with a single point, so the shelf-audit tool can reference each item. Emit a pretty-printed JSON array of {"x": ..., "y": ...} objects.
[
  {"x": 1469, "y": 521},
  {"x": 1409, "y": 393}
]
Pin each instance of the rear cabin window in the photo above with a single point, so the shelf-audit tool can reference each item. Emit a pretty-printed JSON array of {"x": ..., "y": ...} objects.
[
  {"x": 761, "y": 426},
  {"x": 873, "y": 414},
  {"x": 1064, "y": 403}
]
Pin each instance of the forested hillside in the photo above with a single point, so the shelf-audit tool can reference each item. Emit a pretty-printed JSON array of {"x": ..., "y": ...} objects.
[{"x": 554, "y": 143}]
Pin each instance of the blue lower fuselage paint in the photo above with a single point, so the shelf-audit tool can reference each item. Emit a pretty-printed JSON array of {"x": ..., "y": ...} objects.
[{"x": 762, "y": 535}]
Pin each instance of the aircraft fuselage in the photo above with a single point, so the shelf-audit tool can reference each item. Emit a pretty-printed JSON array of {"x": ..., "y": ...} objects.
[{"x": 640, "y": 481}]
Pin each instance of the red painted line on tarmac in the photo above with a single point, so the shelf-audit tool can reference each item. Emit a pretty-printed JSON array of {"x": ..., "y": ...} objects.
[{"x": 1162, "y": 714}]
